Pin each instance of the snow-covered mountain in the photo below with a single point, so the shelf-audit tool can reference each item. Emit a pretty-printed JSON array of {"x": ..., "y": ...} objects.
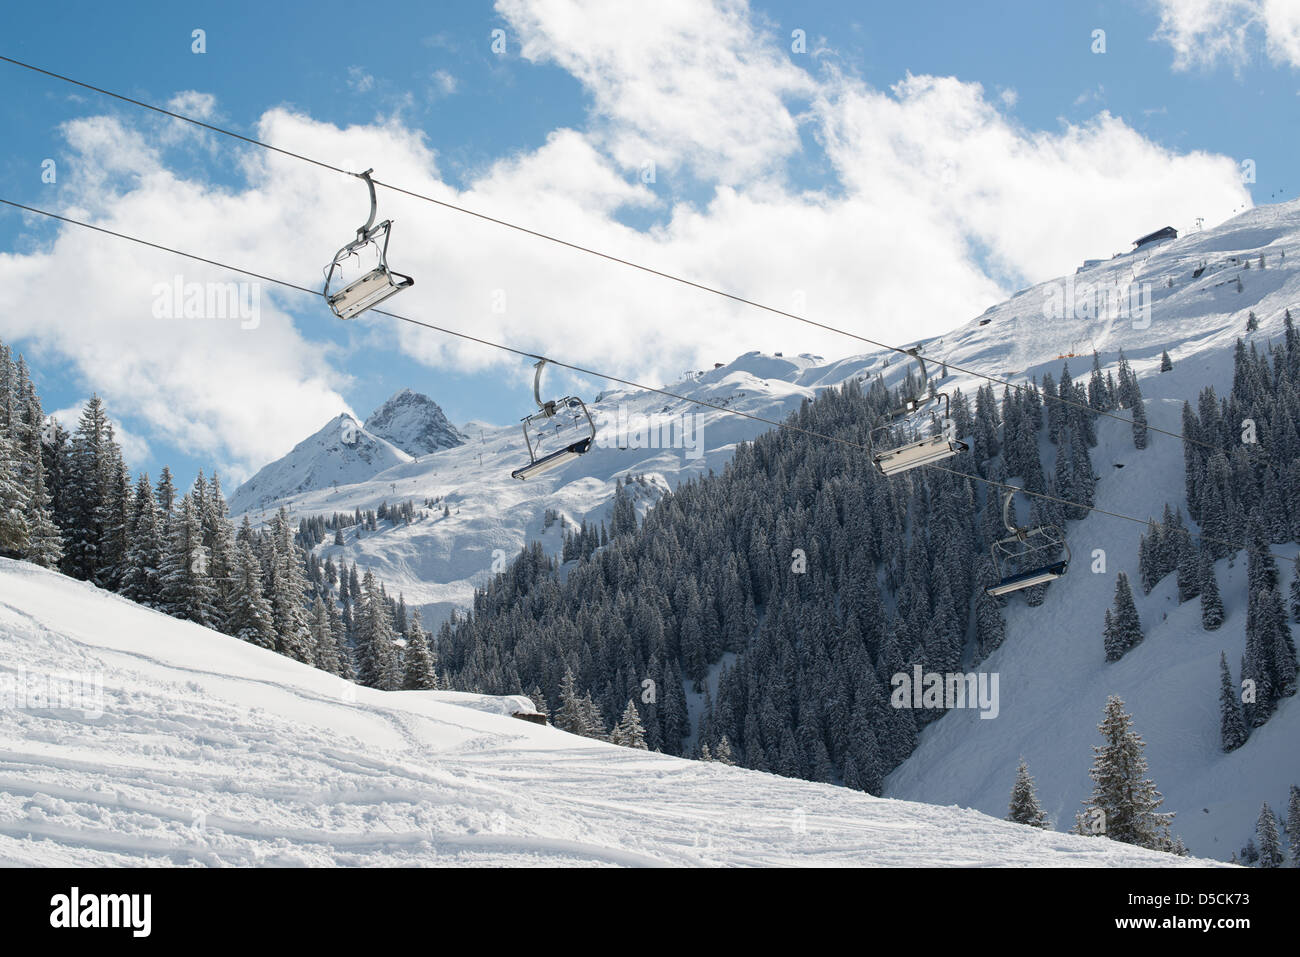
[
  {"x": 414, "y": 423},
  {"x": 175, "y": 745},
  {"x": 1190, "y": 296},
  {"x": 342, "y": 452}
]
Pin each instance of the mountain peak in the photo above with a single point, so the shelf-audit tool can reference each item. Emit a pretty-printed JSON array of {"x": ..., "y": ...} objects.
[{"x": 414, "y": 423}]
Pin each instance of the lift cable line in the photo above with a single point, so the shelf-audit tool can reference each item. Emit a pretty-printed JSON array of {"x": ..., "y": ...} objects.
[
  {"x": 581, "y": 370},
  {"x": 589, "y": 250}
]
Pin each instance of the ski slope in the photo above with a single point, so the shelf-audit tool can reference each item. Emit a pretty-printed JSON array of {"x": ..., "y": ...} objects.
[
  {"x": 1053, "y": 674},
  {"x": 1054, "y": 680},
  {"x": 205, "y": 750}
]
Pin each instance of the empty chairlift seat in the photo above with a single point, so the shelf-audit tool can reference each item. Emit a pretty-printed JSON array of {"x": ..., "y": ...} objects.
[{"x": 376, "y": 285}]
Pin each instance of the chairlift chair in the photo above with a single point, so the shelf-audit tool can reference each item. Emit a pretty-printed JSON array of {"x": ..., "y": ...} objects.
[
  {"x": 1028, "y": 556},
  {"x": 538, "y": 432},
  {"x": 926, "y": 434},
  {"x": 379, "y": 283}
]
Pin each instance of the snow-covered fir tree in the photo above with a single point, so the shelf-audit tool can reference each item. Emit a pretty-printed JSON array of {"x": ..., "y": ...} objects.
[
  {"x": 1123, "y": 628},
  {"x": 419, "y": 671},
  {"x": 1124, "y": 799},
  {"x": 1024, "y": 807},
  {"x": 628, "y": 732},
  {"x": 1232, "y": 724},
  {"x": 1270, "y": 841}
]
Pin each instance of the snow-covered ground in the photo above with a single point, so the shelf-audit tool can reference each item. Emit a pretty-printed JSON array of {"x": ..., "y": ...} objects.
[
  {"x": 1053, "y": 677},
  {"x": 202, "y": 749}
]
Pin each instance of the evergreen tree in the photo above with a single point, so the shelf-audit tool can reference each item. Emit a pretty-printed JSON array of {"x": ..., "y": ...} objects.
[
  {"x": 1123, "y": 797},
  {"x": 14, "y": 505},
  {"x": 1166, "y": 364},
  {"x": 1232, "y": 725},
  {"x": 1211, "y": 604},
  {"x": 629, "y": 732},
  {"x": 1024, "y": 808},
  {"x": 570, "y": 717},
  {"x": 419, "y": 674},
  {"x": 142, "y": 581},
  {"x": 1123, "y": 627},
  {"x": 378, "y": 665},
  {"x": 1293, "y": 825},
  {"x": 247, "y": 612},
  {"x": 185, "y": 590},
  {"x": 286, "y": 591},
  {"x": 92, "y": 474},
  {"x": 1270, "y": 842},
  {"x": 1139, "y": 424}
]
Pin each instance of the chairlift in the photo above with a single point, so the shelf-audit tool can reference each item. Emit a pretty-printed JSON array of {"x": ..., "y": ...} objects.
[
  {"x": 915, "y": 433},
  {"x": 379, "y": 283},
  {"x": 1028, "y": 556},
  {"x": 559, "y": 419}
]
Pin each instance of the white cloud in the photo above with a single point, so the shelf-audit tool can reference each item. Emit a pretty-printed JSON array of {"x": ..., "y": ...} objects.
[
  {"x": 359, "y": 80},
  {"x": 444, "y": 83},
  {"x": 691, "y": 84},
  {"x": 1206, "y": 32},
  {"x": 940, "y": 203}
]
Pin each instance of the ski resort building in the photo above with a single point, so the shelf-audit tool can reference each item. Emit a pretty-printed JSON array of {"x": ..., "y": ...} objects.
[{"x": 1159, "y": 235}]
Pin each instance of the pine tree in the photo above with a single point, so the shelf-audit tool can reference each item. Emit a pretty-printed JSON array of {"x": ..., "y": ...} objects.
[
  {"x": 91, "y": 474},
  {"x": 723, "y": 752},
  {"x": 1166, "y": 364},
  {"x": 286, "y": 591},
  {"x": 185, "y": 590},
  {"x": 378, "y": 665},
  {"x": 1123, "y": 797},
  {"x": 570, "y": 716},
  {"x": 144, "y": 557},
  {"x": 1295, "y": 589},
  {"x": 327, "y": 658},
  {"x": 629, "y": 733},
  {"x": 1139, "y": 424},
  {"x": 1024, "y": 808},
  {"x": 1124, "y": 628},
  {"x": 14, "y": 505},
  {"x": 247, "y": 612},
  {"x": 420, "y": 675},
  {"x": 1270, "y": 842},
  {"x": 1232, "y": 724},
  {"x": 44, "y": 538},
  {"x": 1293, "y": 825},
  {"x": 1211, "y": 604}
]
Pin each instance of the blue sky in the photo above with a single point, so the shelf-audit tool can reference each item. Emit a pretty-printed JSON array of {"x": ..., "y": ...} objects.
[{"x": 429, "y": 72}]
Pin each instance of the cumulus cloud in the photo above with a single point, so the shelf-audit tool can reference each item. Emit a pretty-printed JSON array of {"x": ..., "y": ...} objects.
[
  {"x": 690, "y": 84},
  {"x": 1206, "y": 32},
  {"x": 940, "y": 205}
]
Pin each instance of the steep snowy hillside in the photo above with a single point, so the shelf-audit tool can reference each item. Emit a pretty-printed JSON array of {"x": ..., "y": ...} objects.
[
  {"x": 341, "y": 453},
  {"x": 437, "y": 561},
  {"x": 189, "y": 747},
  {"x": 1054, "y": 677},
  {"x": 414, "y": 423}
]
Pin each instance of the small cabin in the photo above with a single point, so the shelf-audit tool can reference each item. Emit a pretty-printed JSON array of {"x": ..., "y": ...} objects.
[{"x": 1158, "y": 236}]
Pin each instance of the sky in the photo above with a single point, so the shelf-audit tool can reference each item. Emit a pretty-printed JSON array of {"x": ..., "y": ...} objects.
[{"x": 888, "y": 169}]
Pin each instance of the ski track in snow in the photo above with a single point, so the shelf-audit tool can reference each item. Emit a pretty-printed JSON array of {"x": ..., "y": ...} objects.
[{"x": 211, "y": 752}]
